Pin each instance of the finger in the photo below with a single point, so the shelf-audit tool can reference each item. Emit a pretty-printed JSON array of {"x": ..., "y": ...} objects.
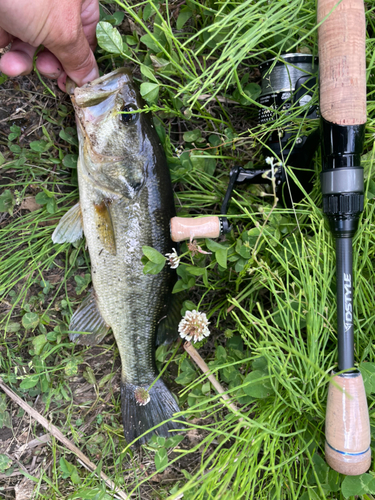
[
  {"x": 19, "y": 60},
  {"x": 48, "y": 65},
  {"x": 5, "y": 38},
  {"x": 61, "y": 81},
  {"x": 90, "y": 17},
  {"x": 78, "y": 60}
]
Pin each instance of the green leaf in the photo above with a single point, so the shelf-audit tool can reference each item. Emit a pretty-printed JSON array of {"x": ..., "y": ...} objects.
[
  {"x": 69, "y": 136},
  {"x": 192, "y": 135},
  {"x": 7, "y": 202},
  {"x": 368, "y": 373},
  {"x": 43, "y": 198},
  {"x": 5, "y": 463},
  {"x": 355, "y": 485},
  {"x": 40, "y": 146},
  {"x": 109, "y": 38},
  {"x": 82, "y": 282},
  {"x": 29, "y": 382},
  {"x": 38, "y": 343},
  {"x": 153, "y": 255},
  {"x": 150, "y": 91},
  {"x": 184, "y": 16},
  {"x": 51, "y": 206},
  {"x": 152, "y": 267},
  {"x": 214, "y": 246},
  {"x": 70, "y": 161},
  {"x": 221, "y": 257},
  {"x": 259, "y": 385},
  {"x": 12, "y": 327},
  {"x": 161, "y": 459},
  {"x": 174, "y": 441},
  {"x": 185, "y": 378},
  {"x": 71, "y": 367},
  {"x": 3, "y": 79},
  {"x": 30, "y": 321},
  {"x": 148, "y": 73},
  {"x": 150, "y": 42}
]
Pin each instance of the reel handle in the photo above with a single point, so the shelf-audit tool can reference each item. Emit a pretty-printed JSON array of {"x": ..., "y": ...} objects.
[{"x": 188, "y": 228}]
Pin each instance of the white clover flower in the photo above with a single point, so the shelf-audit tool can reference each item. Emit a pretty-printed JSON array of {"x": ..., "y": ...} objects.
[
  {"x": 142, "y": 396},
  {"x": 173, "y": 259},
  {"x": 193, "y": 326}
]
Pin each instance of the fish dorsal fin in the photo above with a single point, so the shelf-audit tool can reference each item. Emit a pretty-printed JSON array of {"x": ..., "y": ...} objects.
[
  {"x": 87, "y": 318},
  {"x": 104, "y": 227},
  {"x": 70, "y": 228},
  {"x": 167, "y": 330}
]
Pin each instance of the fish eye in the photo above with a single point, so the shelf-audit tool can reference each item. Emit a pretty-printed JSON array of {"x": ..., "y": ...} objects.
[{"x": 126, "y": 115}]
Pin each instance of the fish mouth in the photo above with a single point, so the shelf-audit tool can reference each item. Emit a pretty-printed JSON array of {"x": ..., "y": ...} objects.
[{"x": 95, "y": 92}]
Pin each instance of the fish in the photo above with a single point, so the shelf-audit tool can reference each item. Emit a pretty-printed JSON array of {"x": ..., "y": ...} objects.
[{"x": 126, "y": 202}]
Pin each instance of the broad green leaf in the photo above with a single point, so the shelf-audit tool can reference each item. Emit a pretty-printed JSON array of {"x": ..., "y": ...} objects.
[
  {"x": 259, "y": 385},
  {"x": 29, "y": 382},
  {"x": 174, "y": 440},
  {"x": 42, "y": 198},
  {"x": 71, "y": 367},
  {"x": 355, "y": 485},
  {"x": 148, "y": 73},
  {"x": 12, "y": 327},
  {"x": 109, "y": 38},
  {"x": 40, "y": 146},
  {"x": 30, "y": 320},
  {"x": 151, "y": 43},
  {"x": 184, "y": 16},
  {"x": 368, "y": 374},
  {"x": 150, "y": 91},
  {"x": 192, "y": 135},
  {"x": 153, "y": 255},
  {"x": 5, "y": 463},
  {"x": 221, "y": 257},
  {"x": 214, "y": 246},
  {"x": 7, "y": 202},
  {"x": 153, "y": 267},
  {"x": 161, "y": 459},
  {"x": 38, "y": 343},
  {"x": 70, "y": 161}
]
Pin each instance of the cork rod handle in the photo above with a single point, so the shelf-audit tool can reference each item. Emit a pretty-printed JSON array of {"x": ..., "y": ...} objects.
[{"x": 342, "y": 61}]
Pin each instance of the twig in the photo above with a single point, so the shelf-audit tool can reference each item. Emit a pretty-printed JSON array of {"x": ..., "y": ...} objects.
[
  {"x": 194, "y": 354},
  {"x": 60, "y": 436}
]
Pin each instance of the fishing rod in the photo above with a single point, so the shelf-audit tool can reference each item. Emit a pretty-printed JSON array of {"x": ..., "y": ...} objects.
[
  {"x": 287, "y": 85},
  {"x": 342, "y": 62}
]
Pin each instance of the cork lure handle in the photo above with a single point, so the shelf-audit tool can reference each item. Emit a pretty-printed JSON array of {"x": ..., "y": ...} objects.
[
  {"x": 186, "y": 228},
  {"x": 342, "y": 61}
]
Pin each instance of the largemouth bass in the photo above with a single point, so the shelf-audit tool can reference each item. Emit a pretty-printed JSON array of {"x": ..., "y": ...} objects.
[{"x": 126, "y": 201}]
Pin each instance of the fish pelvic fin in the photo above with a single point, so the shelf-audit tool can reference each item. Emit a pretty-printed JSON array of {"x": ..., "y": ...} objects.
[
  {"x": 70, "y": 228},
  {"x": 138, "y": 418},
  {"x": 87, "y": 318}
]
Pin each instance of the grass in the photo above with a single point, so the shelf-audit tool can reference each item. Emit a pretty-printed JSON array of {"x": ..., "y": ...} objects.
[{"x": 268, "y": 288}]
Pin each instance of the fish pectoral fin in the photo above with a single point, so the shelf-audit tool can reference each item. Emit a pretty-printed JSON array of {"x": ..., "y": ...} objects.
[
  {"x": 104, "y": 226},
  {"x": 87, "y": 318},
  {"x": 167, "y": 330},
  {"x": 70, "y": 228}
]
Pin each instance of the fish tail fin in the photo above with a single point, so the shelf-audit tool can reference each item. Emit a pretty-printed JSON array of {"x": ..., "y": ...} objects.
[{"x": 138, "y": 418}]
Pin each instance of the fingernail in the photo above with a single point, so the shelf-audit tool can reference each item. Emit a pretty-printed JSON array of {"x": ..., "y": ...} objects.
[{"x": 94, "y": 73}]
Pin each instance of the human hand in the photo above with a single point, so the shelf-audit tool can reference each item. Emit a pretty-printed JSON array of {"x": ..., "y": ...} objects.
[{"x": 66, "y": 28}]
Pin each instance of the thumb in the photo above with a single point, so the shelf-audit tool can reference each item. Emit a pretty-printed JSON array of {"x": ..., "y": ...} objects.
[{"x": 77, "y": 58}]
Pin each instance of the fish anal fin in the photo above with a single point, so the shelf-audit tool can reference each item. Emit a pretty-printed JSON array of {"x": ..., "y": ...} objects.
[
  {"x": 70, "y": 228},
  {"x": 104, "y": 227},
  {"x": 87, "y": 318}
]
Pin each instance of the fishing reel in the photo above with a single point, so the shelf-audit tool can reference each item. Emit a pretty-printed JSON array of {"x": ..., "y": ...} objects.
[{"x": 287, "y": 84}]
